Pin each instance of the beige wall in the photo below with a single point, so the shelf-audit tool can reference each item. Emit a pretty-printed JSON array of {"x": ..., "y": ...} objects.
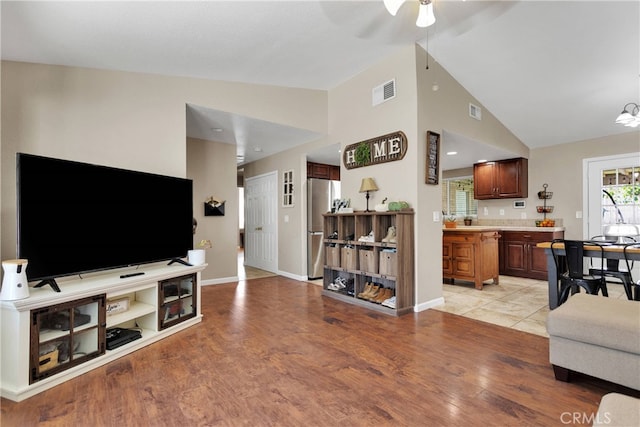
[
  {"x": 292, "y": 220},
  {"x": 445, "y": 109},
  {"x": 561, "y": 166},
  {"x": 3, "y": 213},
  {"x": 128, "y": 120},
  {"x": 212, "y": 167},
  {"x": 137, "y": 121},
  {"x": 352, "y": 119}
]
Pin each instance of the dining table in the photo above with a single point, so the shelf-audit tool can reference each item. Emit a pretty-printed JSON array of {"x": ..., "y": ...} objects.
[{"x": 609, "y": 251}]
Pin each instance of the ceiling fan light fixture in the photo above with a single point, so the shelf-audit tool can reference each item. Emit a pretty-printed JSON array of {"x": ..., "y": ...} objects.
[
  {"x": 624, "y": 118},
  {"x": 425, "y": 14},
  {"x": 393, "y": 6}
]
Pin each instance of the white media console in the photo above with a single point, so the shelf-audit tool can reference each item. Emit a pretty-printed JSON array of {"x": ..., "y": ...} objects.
[{"x": 51, "y": 337}]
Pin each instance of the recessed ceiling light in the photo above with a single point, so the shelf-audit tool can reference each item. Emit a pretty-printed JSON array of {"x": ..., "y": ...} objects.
[
  {"x": 482, "y": 160},
  {"x": 216, "y": 129},
  {"x": 451, "y": 153}
]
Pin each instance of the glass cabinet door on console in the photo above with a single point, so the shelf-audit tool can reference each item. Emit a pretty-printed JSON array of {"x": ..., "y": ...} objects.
[
  {"x": 65, "y": 335},
  {"x": 177, "y": 299}
]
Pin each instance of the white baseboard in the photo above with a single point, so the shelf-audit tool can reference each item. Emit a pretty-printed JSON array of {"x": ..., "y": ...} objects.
[
  {"x": 293, "y": 276},
  {"x": 219, "y": 281},
  {"x": 429, "y": 304}
]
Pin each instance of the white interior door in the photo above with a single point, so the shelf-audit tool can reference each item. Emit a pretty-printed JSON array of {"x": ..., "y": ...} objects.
[{"x": 261, "y": 226}]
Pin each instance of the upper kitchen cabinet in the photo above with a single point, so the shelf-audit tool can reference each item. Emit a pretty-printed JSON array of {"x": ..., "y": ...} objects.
[
  {"x": 502, "y": 179},
  {"x": 323, "y": 171}
]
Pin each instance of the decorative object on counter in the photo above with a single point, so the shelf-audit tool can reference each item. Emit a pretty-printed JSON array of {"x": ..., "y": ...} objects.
[
  {"x": 468, "y": 220},
  {"x": 433, "y": 158},
  {"x": 398, "y": 206},
  {"x": 545, "y": 195},
  {"x": 382, "y": 149},
  {"x": 367, "y": 185},
  {"x": 15, "y": 285},
  {"x": 630, "y": 116},
  {"x": 117, "y": 305},
  {"x": 544, "y": 209},
  {"x": 196, "y": 256},
  {"x": 205, "y": 244},
  {"x": 340, "y": 204},
  {"x": 214, "y": 207},
  {"x": 382, "y": 207},
  {"x": 450, "y": 221}
]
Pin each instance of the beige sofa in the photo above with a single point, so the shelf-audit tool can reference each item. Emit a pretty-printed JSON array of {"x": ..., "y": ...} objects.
[{"x": 596, "y": 336}]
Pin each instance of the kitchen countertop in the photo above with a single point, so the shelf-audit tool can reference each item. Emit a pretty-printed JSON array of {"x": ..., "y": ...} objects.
[{"x": 501, "y": 227}]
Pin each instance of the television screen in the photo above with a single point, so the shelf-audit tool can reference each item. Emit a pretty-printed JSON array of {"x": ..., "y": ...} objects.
[{"x": 77, "y": 217}]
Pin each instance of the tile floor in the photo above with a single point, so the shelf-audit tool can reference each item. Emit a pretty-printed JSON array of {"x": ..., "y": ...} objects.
[{"x": 515, "y": 303}]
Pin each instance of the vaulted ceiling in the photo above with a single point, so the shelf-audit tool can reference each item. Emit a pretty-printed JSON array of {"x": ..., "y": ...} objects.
[{"x": 551, "y": 71}]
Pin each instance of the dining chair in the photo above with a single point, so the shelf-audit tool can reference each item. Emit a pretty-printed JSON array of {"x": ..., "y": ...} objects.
[
  {"x": 611, "y": 268},
  {"x": 634, "y": 291},
  {"x": 570, "y": 268}
]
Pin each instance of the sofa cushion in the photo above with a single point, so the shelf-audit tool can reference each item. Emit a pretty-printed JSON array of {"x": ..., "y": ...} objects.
[{"x": 607, "y": 322}]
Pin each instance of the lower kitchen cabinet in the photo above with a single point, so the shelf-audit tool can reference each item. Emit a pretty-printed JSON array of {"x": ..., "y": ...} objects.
[{"x": 519, "y": 255}]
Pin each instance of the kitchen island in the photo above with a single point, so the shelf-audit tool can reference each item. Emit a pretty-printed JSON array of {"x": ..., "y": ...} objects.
[{"x": 470, "y": 253}]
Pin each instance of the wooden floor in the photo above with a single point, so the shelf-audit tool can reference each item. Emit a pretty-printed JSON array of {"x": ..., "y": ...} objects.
[{"x": 274, "y": 352}]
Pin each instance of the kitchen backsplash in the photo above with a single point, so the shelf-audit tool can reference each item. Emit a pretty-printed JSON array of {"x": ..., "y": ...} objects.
[{"x": 513, "y": 222}]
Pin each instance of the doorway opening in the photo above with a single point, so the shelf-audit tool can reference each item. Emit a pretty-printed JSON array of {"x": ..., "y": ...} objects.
[{"x": 612, "y": 193}]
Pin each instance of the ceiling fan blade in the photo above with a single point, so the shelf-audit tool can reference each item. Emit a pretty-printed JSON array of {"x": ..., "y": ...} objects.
[
  {"x": 370, "y": 20},
  {"x": 457, "y": 18}
]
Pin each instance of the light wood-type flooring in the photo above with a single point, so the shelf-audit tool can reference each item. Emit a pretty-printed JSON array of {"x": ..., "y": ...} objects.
[{"x": 273, "y": 352}]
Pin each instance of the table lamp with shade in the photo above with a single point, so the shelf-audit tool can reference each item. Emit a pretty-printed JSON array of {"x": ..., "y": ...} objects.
[{"x": 367, "y": 185}]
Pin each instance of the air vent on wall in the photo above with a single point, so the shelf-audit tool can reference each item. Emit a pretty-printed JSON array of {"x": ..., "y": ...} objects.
[
  {"x": 384, "y": 92},
  {"x": 475, "y": 112}
]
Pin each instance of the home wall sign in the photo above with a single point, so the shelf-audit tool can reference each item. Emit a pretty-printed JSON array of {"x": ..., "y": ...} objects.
[
  {"x": 386, "y": 148},
  {"x": 433, "y": 158}
]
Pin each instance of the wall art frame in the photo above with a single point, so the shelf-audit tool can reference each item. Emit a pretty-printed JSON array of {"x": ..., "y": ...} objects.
[{"x": 432, "y": 169}]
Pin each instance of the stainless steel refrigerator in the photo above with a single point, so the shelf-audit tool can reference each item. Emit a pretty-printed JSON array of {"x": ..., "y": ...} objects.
[{"x": 320, "y": 196}]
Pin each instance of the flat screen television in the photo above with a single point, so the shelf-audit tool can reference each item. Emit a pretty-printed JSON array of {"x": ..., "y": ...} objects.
[{"x": 77, "y": 217}]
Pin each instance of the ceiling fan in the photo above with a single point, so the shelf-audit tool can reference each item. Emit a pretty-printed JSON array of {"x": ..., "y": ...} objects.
[{"x": 425, "y": 13}]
